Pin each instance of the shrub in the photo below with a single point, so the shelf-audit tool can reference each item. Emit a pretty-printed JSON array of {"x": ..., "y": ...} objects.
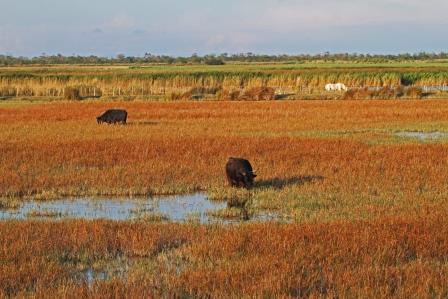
[
  {"x": 414, "y": 92},
  {"x": 214, "y": 61},
  {"x": 196, "y": 93},
  {"x": 349, "y": 94},
  {"x": 175, "y": 96},
  {"x": 367, "y": 94},
  {"x": 72, "y": 93},
  {"x": 227, "y": 95},
  {"x": 259, "y": 94}
]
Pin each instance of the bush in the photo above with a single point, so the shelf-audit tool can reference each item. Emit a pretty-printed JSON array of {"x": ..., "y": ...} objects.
[
  {"x": 383, "y": 93},
  {"x": 414, "y": 92},
  {"x": 72, "y": 93},
  {"x": 214, "y": 61},
  {"x": 259, "y": 94},
  {"x": 204, "y": 90},
  {"x": 196, "y": 93},
  {"x": 227, "y": 95},
  {"x": 175, "y": 96}
]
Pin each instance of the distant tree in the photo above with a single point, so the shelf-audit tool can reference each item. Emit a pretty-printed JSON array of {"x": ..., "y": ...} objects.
[{"x": 213, "y": 59}]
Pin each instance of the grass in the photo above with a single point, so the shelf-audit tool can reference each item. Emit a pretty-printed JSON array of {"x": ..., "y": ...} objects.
[
  {"x": 44, "y": 213},
  {"x": 162, "y": 82},
  {"x": 365, "y": 210},
  {"x": 389, "y": 257},
  {"x": 9, "y": 203},
  {"x": 317, "y": 161}
]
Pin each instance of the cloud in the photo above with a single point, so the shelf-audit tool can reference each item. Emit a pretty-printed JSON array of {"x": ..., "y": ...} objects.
[
  {"x": 288, "y": 15},
  {"x": 263, "y": 26}
]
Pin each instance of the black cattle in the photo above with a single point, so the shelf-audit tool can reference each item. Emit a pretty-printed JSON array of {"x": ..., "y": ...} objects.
[
  {"x": 113, "y": 116},
  {"x": 239, "y": 173}
]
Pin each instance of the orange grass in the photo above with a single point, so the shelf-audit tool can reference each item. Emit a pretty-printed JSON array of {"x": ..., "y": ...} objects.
[
  {"x": 335, "y": 158},
  {"x": 384, "y": 258},
  {"x": 373, "y": 206}
]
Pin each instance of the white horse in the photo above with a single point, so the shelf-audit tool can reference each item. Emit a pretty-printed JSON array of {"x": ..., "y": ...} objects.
[{"x": 335, "y": 87}]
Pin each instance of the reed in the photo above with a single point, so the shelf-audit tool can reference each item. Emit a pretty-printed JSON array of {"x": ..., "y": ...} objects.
[
  {"x": 154, "y": 81},
  {"x": 387, "y": 257},
  {"x": 316, "y": 160}
]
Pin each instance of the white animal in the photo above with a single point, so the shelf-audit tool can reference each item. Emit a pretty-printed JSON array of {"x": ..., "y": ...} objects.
[
  {"x": 329, "y": 87},
  {"x": 335, "y": 87}
]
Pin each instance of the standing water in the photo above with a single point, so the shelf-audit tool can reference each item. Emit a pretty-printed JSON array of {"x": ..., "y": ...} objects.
[
  {"x": 172, "y": 208},
  {"x": 423, "y": 136}
]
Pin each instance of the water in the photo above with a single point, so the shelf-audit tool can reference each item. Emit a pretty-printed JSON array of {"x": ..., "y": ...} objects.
[
  {"x": 423, "y": 136},
  {"x": 90, "y": 276},
  {"x": 172, "y": 208}
]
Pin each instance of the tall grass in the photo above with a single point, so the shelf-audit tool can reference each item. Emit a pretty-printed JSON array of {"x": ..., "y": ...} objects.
[
  {"x": 316, "y": 160},
  {"x": 383, "y": 258},
  {"x": 148, "y": 82}
]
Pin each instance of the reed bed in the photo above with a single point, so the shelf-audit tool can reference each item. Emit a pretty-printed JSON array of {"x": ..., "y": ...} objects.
[
  {"x": 153, "y": 81},
  {"x": 368, "y": 208},
  {"x": 316, "y": 160},
  {"x": 383, "y": 258}
]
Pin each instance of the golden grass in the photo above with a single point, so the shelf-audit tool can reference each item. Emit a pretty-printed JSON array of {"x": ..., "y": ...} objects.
[
  {"x": 384, "y": 258},
  {"x": 371, "y": 207},
  {"x": 169, "y": 82},
  {"x": 316, "y": 160}
]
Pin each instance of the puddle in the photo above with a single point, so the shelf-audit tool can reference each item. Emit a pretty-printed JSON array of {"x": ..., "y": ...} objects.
[
  {"x": 194, "y": 207},
  {"x": 172, "y": 208},
  {"x": 423, "y": 135},
  {"x": 90, "y": 276}
]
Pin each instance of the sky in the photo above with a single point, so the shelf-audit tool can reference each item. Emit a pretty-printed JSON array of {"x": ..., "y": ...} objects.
[{"x": 184, "y": 27}]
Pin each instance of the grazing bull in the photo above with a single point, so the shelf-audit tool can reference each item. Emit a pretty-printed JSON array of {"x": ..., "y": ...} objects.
[
  {"x": 113, "y": 116},
  {"x": 239, "y": 173}
]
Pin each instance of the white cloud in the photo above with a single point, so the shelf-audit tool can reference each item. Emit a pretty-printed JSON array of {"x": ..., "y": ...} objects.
[
  {"x": 289, "y": 15},
  {"x": 178, "y": 27}
]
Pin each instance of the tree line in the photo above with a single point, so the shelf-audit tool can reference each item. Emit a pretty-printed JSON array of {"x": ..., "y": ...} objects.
[{"x": 213, "y": 59}]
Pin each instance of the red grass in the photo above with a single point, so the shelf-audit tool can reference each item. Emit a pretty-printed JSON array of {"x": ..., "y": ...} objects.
[{"x": 383, "y": 258}]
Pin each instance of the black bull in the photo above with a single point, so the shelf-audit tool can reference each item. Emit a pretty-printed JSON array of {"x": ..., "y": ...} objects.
[
  {"x": 239, "y": 173},
  {"x": 113, "y": 116}
]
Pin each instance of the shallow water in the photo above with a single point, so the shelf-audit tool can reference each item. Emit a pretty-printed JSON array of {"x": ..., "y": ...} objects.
[
  {"x": 423, "y": 135},
  {"x": 90, "y": 276},
  {"x": 171, "y": 208},
  {"x": 182, "y": 208}
]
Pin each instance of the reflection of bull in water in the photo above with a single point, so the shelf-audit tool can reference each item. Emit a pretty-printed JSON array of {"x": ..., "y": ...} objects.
[
  {"x": 240, "y": 173},
  {"x": 113, "y": 116}
]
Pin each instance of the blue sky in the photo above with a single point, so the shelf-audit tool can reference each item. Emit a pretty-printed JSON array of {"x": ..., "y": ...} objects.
[{"x": 175, "y": 27}]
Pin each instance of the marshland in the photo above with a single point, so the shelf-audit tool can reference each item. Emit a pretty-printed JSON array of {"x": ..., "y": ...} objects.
[{"x": 350, "y": 198}]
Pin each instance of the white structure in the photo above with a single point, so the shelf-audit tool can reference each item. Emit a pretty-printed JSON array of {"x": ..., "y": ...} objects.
[{"x": 335, "y": 87}]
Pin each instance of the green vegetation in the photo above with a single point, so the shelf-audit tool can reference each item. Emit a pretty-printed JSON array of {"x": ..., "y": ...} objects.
[
  {"x": 222, "y": 59},
  {"x": 216, "y": 82}
]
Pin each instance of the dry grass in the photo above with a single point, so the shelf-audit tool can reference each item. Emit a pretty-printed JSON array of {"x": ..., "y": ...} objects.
[
  {"x": 176, "y": 82},
  {"x": 315, "y": 160},
  {"x": 372, "y": 207},
  {"x": 384, "y": 93},
  {"x": 385, "y": 258}
]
